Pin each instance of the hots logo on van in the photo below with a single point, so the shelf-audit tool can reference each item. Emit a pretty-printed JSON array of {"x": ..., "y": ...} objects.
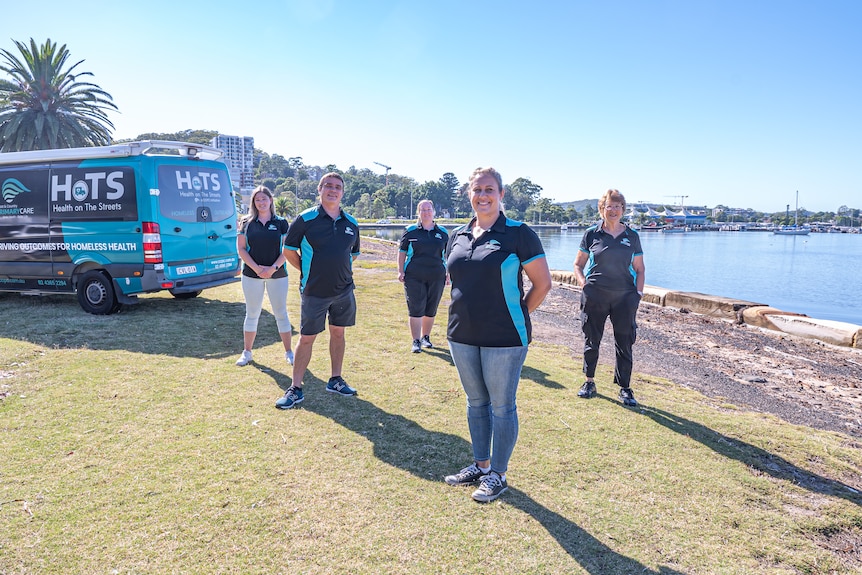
[
  {"x": 97, "y": 193},
  {"x": 200, "y": 181}
]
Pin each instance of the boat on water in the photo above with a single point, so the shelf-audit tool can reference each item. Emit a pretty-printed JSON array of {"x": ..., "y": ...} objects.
[
  {"x": 795, "y": 229},
  {"x": 674, "y": 229},
  {"x": 791, "y": 231}
]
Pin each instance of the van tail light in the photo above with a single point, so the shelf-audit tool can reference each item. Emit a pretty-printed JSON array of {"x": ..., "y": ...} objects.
[{"x": 152, "y": 243}]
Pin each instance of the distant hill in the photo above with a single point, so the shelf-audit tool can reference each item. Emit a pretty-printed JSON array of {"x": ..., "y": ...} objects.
[{"x": 579, "y": 205}]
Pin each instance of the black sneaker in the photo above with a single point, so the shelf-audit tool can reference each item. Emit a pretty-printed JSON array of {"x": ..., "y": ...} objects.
[
  {"x": 292, "y": 396},
  {"x": 467, "y": 476},
  {"x": 417, "y": 346},
  {"x": 491, "y": 488},
  {"x": 338, "y": 385},
  {"x": 426, "y": 341},
  {"x": 627, "y": 397},
  {"x": 587, "y": 390}
]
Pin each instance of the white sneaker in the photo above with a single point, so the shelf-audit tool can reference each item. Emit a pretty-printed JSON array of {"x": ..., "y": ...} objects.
[
  {"x": 288, "y": 355},
  {"x": 244, "y": 358}
]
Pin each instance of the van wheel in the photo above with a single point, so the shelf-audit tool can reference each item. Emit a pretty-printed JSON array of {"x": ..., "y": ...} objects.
[
  {"x": 96, "y": 294},
  {"x": 186, "y": 295}
]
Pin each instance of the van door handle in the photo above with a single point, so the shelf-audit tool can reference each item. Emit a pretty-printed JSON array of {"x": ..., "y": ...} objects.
[
  {"x": 213, "y": 236},
  {"x": 228, "y": 226},
  {"x": 178, "y": 230}
]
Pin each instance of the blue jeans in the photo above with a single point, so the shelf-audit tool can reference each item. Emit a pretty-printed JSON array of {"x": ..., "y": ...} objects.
[{"x": 490, "y": 378}]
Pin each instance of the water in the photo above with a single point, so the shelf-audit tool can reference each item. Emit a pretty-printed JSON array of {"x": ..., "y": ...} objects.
[{"x": 817, "y": 275}]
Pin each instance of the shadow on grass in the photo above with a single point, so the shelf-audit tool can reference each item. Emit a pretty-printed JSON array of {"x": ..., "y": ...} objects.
[
  {"x": 404, "y": 444},
  {"x": 750, "y": 455},
  {"x": 540, "y": 377},
  {"x": 209, "y": 328}
]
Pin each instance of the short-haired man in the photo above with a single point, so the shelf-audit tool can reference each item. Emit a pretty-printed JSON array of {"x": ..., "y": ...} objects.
[{"x": 322, "y": 243}]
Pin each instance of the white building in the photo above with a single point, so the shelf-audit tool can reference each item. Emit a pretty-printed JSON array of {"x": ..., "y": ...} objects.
[{"x": 239, "y": 159}]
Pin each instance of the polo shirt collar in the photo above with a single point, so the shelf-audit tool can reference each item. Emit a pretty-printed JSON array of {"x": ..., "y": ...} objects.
[
  {"x": 322, "y": 212},
  {"x": 600, "y": 228},
  {"x": 498, "y": 226}
]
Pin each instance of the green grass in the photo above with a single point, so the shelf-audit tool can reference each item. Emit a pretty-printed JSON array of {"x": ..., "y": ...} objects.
[{"x": 132, "y": 444}]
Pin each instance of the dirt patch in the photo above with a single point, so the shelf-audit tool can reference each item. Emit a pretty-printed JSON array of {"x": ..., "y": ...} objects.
[{"x": 803, "y": 381}]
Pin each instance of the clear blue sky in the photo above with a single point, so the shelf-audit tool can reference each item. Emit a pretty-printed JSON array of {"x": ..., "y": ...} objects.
[{"x": 734, "y": 102}]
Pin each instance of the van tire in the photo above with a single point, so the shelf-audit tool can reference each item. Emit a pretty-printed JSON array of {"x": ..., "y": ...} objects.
[
  {"x": 186, "y": 295},
  {"x": 96, "y": 293}
]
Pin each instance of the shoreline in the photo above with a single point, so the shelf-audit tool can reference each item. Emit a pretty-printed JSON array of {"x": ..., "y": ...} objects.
[{"x": 741, "y": 311}]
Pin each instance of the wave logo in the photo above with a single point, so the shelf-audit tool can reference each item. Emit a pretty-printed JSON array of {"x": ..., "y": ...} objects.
[{"x": 11, "y": 189}]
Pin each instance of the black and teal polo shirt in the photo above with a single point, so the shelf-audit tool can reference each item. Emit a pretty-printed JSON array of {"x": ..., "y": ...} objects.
[
  {"x": 488, "y": 308},
  {"x": 424, "y": 251},
  {"x": 609, "y": 266},
  {"x": 326, "y": 247},
  {"x": 264, "y": 243}
]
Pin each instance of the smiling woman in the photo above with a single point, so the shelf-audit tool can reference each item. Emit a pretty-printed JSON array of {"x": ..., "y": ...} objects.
[
  {"x": 489, "y": 326},
  {"x": 610, "y": 268}
]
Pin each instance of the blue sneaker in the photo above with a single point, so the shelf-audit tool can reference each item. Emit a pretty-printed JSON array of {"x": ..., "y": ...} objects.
[
  {"x": 338, "y": 385},
  {"x": 470, "y": 475},
  {"x": 292, "y": 396},
  {"x": 491, "y": 487},
  {"x": 628, "y": 397}
]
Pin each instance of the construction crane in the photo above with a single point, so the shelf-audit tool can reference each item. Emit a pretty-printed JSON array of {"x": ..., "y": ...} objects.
[
  {"x": 387, "y": 171},
  {"x": 681, "y": 201}
]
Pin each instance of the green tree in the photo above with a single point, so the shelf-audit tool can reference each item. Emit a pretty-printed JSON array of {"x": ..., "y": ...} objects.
[
  {"x": 204, "y": 137},
  {"x": 540, "y": 211},
  {"x": 295, "y": 164},
  {"x": 45, "y": 105},
  {"x": 282, "y": 205},
  {"x": 521, "y": 195},
  {"x": 461, "y": 207},
  {"x": 438, "y": 193},
  {"x": 362, "y": 207}
]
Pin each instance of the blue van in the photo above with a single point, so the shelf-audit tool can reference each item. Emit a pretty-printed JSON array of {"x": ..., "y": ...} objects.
[{"x": 111, "y": 222}]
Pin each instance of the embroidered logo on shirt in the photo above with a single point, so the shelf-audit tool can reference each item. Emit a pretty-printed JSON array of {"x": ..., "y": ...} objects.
[
  {"x": 493, "y": 243},
  {"x": 626, "y": 242},
  {"x": 349, "y": 231}
]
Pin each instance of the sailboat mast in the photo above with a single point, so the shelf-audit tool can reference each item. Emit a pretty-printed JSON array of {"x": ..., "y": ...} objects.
[{"x": 796, "y": 219}]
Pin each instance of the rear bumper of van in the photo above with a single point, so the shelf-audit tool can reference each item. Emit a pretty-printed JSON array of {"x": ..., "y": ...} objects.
[{"x": 208, "y": 281}]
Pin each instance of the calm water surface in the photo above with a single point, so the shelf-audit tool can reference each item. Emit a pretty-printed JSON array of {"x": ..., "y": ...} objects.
[{"x": 818, "y": 274}]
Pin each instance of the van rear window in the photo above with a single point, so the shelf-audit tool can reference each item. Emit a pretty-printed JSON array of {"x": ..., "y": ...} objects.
[{"x": 192, "y": 194}]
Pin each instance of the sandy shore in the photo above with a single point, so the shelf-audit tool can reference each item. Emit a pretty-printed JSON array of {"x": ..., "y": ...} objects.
[{"x": 802, "y": 381}]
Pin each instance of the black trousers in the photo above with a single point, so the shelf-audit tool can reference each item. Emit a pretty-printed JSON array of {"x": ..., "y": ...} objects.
[{"x": 621, "y": 306}]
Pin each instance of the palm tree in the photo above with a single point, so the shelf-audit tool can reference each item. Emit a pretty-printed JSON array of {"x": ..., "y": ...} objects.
[
  {"x": 44, "y": 106},
  {"x": 282, "y": 206}
]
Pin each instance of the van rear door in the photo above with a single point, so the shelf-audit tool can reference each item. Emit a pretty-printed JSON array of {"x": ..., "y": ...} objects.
[{"x": 197, "y": 220}]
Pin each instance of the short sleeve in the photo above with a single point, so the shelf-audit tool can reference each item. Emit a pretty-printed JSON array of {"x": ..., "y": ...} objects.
[
  {"x": 529, "y": 245},
  {"x": 294, "y": 234}
]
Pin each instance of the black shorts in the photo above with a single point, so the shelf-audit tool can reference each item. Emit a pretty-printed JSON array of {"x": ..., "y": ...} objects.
[
  {"x": 423, "y": 296},
  {"x": 313, "y": 311}
]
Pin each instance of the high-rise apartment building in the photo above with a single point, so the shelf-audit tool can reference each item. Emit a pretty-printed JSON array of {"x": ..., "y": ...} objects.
[{"x": 239, "y": 159}]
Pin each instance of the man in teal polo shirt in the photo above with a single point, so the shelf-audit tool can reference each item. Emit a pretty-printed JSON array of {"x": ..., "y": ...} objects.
[{"x": 322, "y": 243}]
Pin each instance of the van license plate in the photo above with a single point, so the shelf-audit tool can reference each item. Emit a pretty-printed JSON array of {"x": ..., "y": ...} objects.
[{"x": 186, "y": 270}]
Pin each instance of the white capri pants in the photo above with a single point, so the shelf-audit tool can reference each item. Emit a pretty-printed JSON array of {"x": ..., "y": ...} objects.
[{"x": 252, "y": 289}]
